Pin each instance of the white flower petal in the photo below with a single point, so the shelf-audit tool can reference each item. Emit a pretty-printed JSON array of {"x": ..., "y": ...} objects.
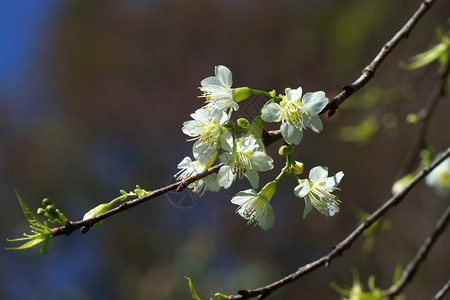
[
  {"x": 261, "y": 161},
  {"x": 254, "y": 208},
  {"x": 314, "y": 102},
  {"x": 271, "y": 112},
  {"x": 318, "y": 174},
  {"x": 267, "y": 219},
  {"x": 302, "y": 190},
  {"x": 224, "y": 75},
  {"x": 226, "y": 176},
  {"x": 212, "y": 183},
  {"x": 332, "y": 182},
  {"x": 308, "y": 208},
  {"x": 243, "y": 196},
  {"x": 293, "y": 95},
  {"x": 185, "y": 163},
  {"x": 201, "y": 114},
  {"x": 291, "y": 134},
  {"x": 253, "y": 178},
  {"x": 226, "y": 141},
  {"x": 209, "y": 82},
  {"x": 333, "y": 208},
  {"x": 202, "y": 151},
  {"x": 315, "y": 123},
  {"x": 219, "y": 115},
  {"x": 225, "y": 157}
]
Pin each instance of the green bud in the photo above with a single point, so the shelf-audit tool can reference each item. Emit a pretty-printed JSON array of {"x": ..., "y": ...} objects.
[
  {"x": 297, "y": 167},
  {"x": 272, "y": 93},
  {"x": 140, "y": 192},
  {"x": 243, "y": 123},
  {"x": 46, "y": 202},
  {"x": 41, "y": 211},
  {"x": 286, "y": 150},
  {"x": 51, "y": 209},
  {"x": 241, "y": 93}
]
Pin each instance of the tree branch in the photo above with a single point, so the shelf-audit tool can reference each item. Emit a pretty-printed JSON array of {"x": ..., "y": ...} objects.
[
  {"x": 440, "y": 295},
  {"x": 339, "y": 248},
  {"x": 424, "y": 116},
  {"x": 410, "y": 270},
  {"x": 85, "y": 225},
  {"x": 369, "y": 71}
]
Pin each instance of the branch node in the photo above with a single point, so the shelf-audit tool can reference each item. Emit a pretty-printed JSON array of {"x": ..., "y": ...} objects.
[
  {"x": 181, "y": 186},
  {"x": 85, "y": 228}
]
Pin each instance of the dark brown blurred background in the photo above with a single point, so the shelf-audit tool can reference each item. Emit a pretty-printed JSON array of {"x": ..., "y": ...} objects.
[{"x": 93, "y": 95}]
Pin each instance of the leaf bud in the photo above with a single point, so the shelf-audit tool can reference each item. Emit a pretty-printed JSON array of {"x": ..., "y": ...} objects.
[{"x": 98, "y": 210}]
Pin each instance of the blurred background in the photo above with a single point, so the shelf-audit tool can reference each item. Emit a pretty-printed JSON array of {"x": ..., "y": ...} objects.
[{"x": 93, "y": 95}]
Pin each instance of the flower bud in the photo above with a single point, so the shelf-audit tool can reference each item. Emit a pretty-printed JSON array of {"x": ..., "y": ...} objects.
[
  {"x": 51, "y": 209},
  {"x": 46, "y": 201},
  {"x": 140, "y": 192},
  {"x": 285, "y": 150},
  {"x": 297, "y": 167},
  {"x": 243, "y": 123},
  {"x": 41, "y": 211},
  {"x": 241, "y": 93}
]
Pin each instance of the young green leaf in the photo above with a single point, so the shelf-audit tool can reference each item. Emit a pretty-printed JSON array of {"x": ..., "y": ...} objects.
[{"x": 191, "y": 287}]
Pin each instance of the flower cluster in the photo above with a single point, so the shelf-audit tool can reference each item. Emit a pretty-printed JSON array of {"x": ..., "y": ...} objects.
[{"x": 240, "y": 148}]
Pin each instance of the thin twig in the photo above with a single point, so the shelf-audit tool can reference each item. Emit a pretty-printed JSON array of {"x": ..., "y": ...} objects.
[
  {"x": 440, "y": 295},
  {"x": 424, "y": 117},
  {"x": 410, "y": 270},
  {"x": 86, "y": 224},
  {"x": 369, "y": 71},
  {"x": 347, "y": 242}
]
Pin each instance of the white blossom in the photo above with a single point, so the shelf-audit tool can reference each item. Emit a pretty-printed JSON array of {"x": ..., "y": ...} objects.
[
  {"x": 296, "y": 113},
  {"x": 317, "y": 191},
  {"x": 247, "y": 158}
]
